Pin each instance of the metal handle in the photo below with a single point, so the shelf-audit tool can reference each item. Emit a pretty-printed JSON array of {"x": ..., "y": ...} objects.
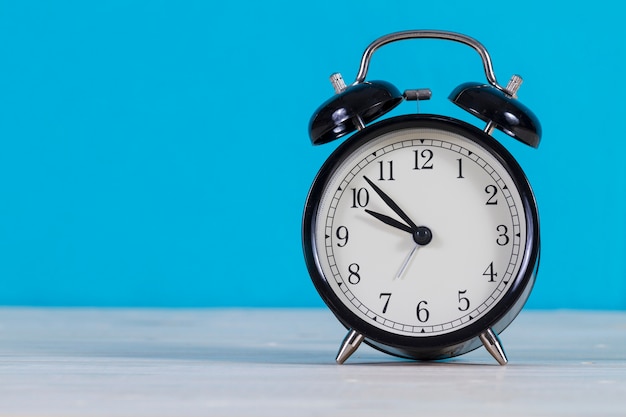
[{"x": 431, "y": 34}]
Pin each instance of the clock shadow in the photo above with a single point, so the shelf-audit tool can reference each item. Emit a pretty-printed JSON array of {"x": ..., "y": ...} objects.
[
  {"x": 268, "y": 353},
  {"x": 420, "y": 363}
]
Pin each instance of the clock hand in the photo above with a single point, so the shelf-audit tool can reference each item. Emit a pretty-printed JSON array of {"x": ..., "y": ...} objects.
[
  {"x": 407, "y": 260},
  {"x": 421, "y": 234},
  {"x": 392, "y": 204},
  {"x": 421, "y": 237},
  {"x": 390, "y": 221}
]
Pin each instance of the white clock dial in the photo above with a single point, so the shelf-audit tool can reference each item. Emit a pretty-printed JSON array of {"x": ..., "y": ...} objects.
[{"x": 450, "y": 187}]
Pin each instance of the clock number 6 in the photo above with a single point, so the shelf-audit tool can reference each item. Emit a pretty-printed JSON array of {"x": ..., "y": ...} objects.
[{"x": 422, "y": 313}]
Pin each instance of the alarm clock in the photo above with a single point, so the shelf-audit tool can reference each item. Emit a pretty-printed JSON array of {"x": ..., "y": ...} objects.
[{"x": 421, "y": 231}]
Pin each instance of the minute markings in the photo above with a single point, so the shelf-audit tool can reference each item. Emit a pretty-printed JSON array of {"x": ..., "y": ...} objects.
[{"x": 344, "y": 189}]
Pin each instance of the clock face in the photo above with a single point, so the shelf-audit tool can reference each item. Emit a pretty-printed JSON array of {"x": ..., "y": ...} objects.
[{"x": 418, "y": 229}]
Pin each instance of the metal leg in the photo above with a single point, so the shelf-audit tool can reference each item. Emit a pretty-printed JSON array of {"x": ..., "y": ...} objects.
[
  {"x": 494, "y": 346},
  {"x": 349, "y": 345}
]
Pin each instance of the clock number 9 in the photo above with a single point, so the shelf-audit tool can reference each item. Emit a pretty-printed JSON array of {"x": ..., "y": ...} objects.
[{"x": 342, "y": 234}]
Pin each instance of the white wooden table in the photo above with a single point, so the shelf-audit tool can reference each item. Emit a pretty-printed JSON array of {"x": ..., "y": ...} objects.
[{"x": 111, "y": 362}]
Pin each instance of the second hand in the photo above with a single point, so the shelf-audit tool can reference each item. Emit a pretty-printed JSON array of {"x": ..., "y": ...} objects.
[{"x": 406, "y": 262}]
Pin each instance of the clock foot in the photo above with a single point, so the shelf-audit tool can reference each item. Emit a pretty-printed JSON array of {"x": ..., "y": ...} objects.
[
  {"x": 494, "y": 346},
  {"x": 349, "y": 345}
]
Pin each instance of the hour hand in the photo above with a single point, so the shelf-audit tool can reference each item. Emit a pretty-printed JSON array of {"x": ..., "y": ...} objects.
[
  {"x": 390, "y": 221},
  {"x": 422, "y": 235},
  {"x": 392, "y": 204}
]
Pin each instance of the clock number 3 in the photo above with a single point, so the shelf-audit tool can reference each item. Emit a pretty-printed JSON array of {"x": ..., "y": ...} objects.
[{"x": 503, "y": 238}]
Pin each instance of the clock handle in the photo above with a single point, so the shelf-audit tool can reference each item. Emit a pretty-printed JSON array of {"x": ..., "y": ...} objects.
[
  {"x": 349, "y": 345},
  {"x": 431, "y": 34},
  {"x": 492, "y": 343}
]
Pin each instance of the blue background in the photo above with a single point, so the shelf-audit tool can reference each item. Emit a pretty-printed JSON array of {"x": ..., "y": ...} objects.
[{"x": 155, "y": 153}]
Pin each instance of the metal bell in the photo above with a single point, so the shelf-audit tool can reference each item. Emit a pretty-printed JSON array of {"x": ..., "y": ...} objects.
[
  {"x": 500, "y": 110},
  {"x": 351, "y": 109}
]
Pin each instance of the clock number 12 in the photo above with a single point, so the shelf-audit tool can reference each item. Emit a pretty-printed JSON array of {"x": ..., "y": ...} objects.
[{"x": 423, "y": 160}]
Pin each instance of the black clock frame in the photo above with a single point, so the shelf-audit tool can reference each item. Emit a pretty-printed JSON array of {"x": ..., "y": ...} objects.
[{"x": 459, "y": 341}]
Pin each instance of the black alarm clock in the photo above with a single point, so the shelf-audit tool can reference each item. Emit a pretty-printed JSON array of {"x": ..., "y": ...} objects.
[{"x": 421, "y": 231}]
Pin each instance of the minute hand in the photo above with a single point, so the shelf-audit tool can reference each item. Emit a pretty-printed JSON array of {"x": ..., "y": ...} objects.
[{"x": 392, "y": 204}]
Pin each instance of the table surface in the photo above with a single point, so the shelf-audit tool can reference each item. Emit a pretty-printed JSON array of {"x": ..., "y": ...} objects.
[{"x": 272, "y": 362}]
